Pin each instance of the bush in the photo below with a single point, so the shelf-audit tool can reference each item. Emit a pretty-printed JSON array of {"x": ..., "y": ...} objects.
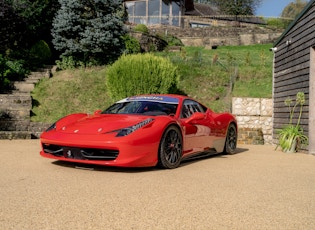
[
  {"x": 132, "y": 45},
  {"x": 279, "y": 23},
  {"x": 40, "y": 53},
  {"x": 141, "y": 28},
  {"x": 141, "y": 74},
  {"x": 67, "y": 62},
  {"x": 171, "y": 40},
  {"x": 4, "y": 71},
  {"x": 11, "y": 70}
]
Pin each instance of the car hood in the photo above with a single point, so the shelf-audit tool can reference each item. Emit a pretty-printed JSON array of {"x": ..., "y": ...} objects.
[{"x": 101, "y": 123}]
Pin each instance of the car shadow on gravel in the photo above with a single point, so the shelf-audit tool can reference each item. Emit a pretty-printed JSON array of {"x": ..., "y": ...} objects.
[
  {"x": 91, "y": 167},
  {"x": 185, "y": 162},
  {"x": 205, "y": 156}
]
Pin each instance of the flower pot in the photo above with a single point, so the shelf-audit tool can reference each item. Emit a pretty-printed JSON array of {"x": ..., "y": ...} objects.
[{"x": 292, "y": 148}]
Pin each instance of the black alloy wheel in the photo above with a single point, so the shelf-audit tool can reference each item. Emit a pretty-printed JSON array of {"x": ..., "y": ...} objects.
[
  {"x": 171, "y": 148},
  {"x": 231, "y": 140}
]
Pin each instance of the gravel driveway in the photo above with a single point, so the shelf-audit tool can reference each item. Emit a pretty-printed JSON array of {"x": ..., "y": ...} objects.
[{"x": 257, "y": 188}]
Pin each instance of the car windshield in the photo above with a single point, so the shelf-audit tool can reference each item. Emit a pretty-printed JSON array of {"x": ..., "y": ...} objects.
[{"x": 141, "y": 107}]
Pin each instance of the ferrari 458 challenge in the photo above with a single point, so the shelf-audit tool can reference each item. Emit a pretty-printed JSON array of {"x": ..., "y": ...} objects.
[{"x": 141, "y": 131}]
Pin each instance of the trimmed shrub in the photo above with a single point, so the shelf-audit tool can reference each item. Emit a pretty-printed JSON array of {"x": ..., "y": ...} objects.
[
  {"x": 141, "y": 74},
  {"x": 141, "y": 28},
  {"x": 40, "y": 53}
]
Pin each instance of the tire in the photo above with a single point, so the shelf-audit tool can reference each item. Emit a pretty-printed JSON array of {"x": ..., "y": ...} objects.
[
  {"x": 231, "y": 140},
  {"x": 171, "y": 148}
]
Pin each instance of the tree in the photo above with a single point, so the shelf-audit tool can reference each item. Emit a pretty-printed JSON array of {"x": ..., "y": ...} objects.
[
  {"x": 10, "y": 27},
  {"x": 89, "y": 30},
  {"x": 293, "y": 9},
  {"x": 238, "y": 7},
  {"x": 25, "y": 22},
  {"x": 234, "y": 7}
]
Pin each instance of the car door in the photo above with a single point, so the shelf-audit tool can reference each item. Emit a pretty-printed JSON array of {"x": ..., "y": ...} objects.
[{"x": 198, "y": 127}]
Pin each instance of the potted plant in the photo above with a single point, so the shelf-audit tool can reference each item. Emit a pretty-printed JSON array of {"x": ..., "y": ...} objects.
[{"x": 291, "y": 137}]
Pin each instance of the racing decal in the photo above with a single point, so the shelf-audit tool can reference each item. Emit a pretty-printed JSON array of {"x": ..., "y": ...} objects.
[{"x": 162, "y": 99}]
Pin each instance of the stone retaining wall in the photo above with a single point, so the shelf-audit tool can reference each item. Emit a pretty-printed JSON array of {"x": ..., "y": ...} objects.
[
  {"x": 220, "y": 36},
  {"x": 254, "y": 114}
]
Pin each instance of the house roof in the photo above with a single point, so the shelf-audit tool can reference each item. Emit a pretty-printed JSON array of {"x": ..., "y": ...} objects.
[
  {"x": 201, "y": 9},
  {"x": 309, "y": 5}
]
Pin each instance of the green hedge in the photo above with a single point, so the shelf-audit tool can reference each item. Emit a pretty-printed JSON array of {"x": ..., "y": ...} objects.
[{"x": 141, "y": 74}]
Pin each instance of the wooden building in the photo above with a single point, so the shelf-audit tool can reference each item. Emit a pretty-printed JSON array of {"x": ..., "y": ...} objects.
[{"x": 294, "y": 71}]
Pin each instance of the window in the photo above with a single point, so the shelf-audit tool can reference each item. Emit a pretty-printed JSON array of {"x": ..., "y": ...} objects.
[
  {"x": 190, "y": 107},
  {"x": 131, "y": 11},
  {"x": 140, "y": 13},
  {"x": 165, "y": 13},
  {"x": 154, "y": 12},
  {"x": 175, "y": 13}
]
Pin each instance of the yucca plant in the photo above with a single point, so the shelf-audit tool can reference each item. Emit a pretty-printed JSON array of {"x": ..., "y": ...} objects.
[{"x": 291, "y": 137}]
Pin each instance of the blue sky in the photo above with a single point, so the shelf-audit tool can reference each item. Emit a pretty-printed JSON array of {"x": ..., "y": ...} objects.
[{"x": 272, "y": 8}]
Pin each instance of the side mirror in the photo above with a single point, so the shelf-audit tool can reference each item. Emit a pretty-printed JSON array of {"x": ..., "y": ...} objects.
[{"x": 195, "y": 117}]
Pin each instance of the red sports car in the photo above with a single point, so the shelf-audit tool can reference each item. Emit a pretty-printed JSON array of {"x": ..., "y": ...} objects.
[{"x": 141, "y": 131}]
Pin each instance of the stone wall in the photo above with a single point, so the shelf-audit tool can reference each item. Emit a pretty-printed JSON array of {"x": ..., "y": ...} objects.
[
  {"x": 220, "y": 36},
  {"x": 254, "y": 114}
]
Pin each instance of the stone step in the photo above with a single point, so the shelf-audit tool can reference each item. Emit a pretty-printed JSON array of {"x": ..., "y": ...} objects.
[
  {"x": 38, "y": 75},
  {"x": 15, "y": 108},
  {"x": 24, "y": 87},
  {"x": 35, "y": 77},
  {"x": 14, "y": 125},
  {"x": 9, "y": 135},
  {"x": 33, "y": 80},
  {"x": 15, "y": 101},
  {"x": 17, "y": 114},
  {"x": 46, "y": 68},
  {"x": 174, "y": 48}
]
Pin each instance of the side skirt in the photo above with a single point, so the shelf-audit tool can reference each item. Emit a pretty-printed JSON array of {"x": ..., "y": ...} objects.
[{"x": 199, "y": 155}]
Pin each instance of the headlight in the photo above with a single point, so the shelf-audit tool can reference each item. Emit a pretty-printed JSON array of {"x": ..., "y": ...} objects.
[
  {"x": 126, "y": 131},
  {"x": 52, "y": 127}
]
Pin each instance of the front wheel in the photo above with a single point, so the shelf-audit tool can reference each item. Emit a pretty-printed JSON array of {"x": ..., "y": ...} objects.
[
  {"x": 231, "y": 140},
  {"x": 170, "y": 149}
]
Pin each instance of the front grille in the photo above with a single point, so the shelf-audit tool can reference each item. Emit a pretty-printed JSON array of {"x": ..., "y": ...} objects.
[{"x": 81, "y": 153}]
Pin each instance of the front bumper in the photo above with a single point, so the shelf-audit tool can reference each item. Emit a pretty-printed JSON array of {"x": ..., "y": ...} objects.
[{"x": 101, "y": 149}]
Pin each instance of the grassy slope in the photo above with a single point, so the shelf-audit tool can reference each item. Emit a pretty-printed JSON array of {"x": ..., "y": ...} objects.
[
  {"x": 70, "y": 91},
  {"x": 206, "y": 75}
]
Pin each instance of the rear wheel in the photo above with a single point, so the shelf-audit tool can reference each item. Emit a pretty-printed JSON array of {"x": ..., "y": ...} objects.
[
  {"x": 170, "y": 150},
  {"x": 231, "y": 140}
]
